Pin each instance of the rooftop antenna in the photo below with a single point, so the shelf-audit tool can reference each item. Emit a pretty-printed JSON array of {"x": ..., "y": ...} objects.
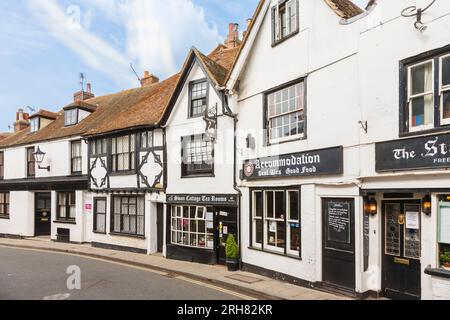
[
  {"x": 82, "y": 79},
  {"x": 132, "y": 68},
  {"x": 31, "y": 109}
]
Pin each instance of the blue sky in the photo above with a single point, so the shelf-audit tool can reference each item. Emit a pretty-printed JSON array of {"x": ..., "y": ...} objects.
[{"x": 47, "y": 43}]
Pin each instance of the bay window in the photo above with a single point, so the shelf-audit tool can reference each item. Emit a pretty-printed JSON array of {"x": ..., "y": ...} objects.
[
  {"x": 276, "y": 221},
  {"x": 123, "y": 153},
  {"x": 425, "y": 93},
  {"x": 66, "y": 206},
  {"x": 286, "y": 113},
  {"x": 128, "y": 215},
  {"x": 192, "y": 227}
]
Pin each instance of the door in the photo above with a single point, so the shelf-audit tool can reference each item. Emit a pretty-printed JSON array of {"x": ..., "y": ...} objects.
[
  {"x": 226, "y": 225},
  {"x": 160, "y": 226},
  {"x": 402, "y": 249},
  {"x": 42, "y": 220},
  {"x": 338, "y": 245}
]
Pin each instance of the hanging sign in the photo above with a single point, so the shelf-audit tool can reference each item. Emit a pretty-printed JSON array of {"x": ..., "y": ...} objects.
[
  {"x": 419, "y": 153},
  {"x": 311, "y": 163}
]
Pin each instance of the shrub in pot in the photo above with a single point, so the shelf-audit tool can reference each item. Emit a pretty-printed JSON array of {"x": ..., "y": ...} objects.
[
  {"x": 232, "y": 253},
  {"x": 445, "y": 260}
]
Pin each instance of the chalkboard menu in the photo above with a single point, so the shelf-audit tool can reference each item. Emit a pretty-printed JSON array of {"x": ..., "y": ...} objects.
[{"x": 339, "y": 221}]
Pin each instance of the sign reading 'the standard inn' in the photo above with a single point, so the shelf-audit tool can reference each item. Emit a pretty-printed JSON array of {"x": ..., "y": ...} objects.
[
  {"x": 318, "y": 162},
  {"x": 418, "y": 153}
]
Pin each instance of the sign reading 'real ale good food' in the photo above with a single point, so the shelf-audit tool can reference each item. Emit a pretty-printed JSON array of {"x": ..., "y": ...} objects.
[
  {"x": 418, "y": 153},
  {"x": 311, "y": 163}
]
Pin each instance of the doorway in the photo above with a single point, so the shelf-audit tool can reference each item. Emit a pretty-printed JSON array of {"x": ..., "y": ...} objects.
[
  {"x": 226, "y": 225},
  {"x": 401, "y": 249},
  {"x": 42, "y": 214},
  {"x": 338, "y": 245},
  {"x": 160, "y": 226}
]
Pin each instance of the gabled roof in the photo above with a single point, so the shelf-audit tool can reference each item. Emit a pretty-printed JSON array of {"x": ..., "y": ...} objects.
[
  {"x": 216, "y": 67},
  {"x": 45, "y": 114}
]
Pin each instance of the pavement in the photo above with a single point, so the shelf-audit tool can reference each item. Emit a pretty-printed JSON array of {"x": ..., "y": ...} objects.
[{"x": 244, "y": 282}]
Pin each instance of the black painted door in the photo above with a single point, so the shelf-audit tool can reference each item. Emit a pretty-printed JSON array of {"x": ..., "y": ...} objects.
[
  {"x": 226, "y": 225},
  {"x": 160, "y": 226},
  {"x": 402, "y": 249},
  {"x": 338, "y": 256},
  {"x": 42, "y": 220}
]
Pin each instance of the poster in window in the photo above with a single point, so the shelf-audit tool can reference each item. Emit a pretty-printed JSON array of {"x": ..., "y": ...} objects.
[
  {"x": 339, "y": 221},
  {"x": 444, "y": 225}
]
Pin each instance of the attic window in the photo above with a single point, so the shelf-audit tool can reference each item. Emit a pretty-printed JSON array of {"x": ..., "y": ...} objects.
[
  {"x": 285, "y": 20},
  {"x": 34, "y": 124},
  {"x": 70, "y": 117}
]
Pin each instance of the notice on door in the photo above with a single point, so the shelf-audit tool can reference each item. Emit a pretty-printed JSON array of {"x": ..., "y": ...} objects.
[
  {"x": 412, "y": 220},
  {"x": 339, "y": 221}
]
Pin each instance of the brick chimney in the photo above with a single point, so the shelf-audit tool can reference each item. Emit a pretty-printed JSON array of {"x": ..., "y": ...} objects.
[
  {"x": 232, "y": 40},
  {"x": 149, "y": 79},
  {"x": 22, "y": 121},
  {"x": 84, "y": 95}
]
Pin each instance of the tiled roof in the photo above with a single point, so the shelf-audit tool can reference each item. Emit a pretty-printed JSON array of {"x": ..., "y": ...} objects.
[
  {"x": 3, "y": 135},
  {"x": 45, "y": 114},
  {"x": 82, "y": 105},
  {"x": 344, "y": 8}
]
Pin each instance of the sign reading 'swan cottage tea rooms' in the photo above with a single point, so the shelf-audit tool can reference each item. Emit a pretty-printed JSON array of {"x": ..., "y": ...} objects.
[
  {"x": 418, "y": 153},
  {"x": 310, "y": 163}
]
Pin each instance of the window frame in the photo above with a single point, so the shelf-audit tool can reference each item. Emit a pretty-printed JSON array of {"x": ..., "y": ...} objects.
[
  {"x": 94, "y": 223},
  {"x": 72, "y": 158},
  {"x": 5, "y": 205},
  {"x": 75, "y": 111},
  {"x": 67, "y": 204},
  {"x": 436, "y": 55},
  {"x": 31, "y": 162},
  {"x": 191, "y": 115},
  {"x": 35, "y": 124},
  {"x": 267, "y": 119},
  {"x": 264, "y": 246},
  {"x": 185, "y": 173},
  {"x": 2, "y": 165},
  {"x": 114, "y": 213},
  {"x": 443, "y": 89},
  {"x": 276, "y": 26},
  {"x": 114, "y": 157},
  {"x": 147, "y": 146},
  {"x": 93, "y": 147}
]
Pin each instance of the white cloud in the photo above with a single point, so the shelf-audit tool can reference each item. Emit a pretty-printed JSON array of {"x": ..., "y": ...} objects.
[{"x": 95, "y": 52}]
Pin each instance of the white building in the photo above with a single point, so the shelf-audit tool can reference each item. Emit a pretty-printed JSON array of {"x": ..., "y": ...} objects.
[{"x": 318, "y": 93}]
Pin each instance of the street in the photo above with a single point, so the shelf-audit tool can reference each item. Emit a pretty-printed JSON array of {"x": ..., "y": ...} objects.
[{"x": 37, "y": 275}]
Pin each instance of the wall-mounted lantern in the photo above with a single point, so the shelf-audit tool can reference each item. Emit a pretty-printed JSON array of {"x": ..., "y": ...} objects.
[
  {"x": 371, "y": 206},
  {"x": 426, "y": 205},
  {"x": 39, "y": 158},
  {"x": 413, "y": 11}
]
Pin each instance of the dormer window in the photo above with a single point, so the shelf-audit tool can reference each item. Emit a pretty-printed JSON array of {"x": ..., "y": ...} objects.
[
  {"x": 285, "y": 20},
  {"x": 34, "y": 124},
  {"x": 70, "y": 117}
]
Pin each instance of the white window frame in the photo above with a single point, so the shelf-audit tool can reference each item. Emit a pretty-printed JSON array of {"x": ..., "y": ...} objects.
[
  {"x": 255, "y": 218},
  {"x": 34, "y": 124},
  {"x": 289, "y": 221},
  {"x": 287, "y": 22},
  {"x": 70, "y": 117},
  {"x": 442, "y": 89},
  {"x": 411, "y": 97},
  {"x": 267, "y": 220}
]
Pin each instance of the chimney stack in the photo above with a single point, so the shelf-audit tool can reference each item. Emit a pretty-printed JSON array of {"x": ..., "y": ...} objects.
[
  {"x": 149, "y": 79},
  {"x": 232, "y": 40},
  {"x": 84, "y": 95},
  {"x": 22, "y": 120},
  {"x": 249, "y": 21}
]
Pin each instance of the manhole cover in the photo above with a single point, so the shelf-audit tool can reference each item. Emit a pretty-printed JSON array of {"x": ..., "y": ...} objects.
[{"x": 245, "y": 279}]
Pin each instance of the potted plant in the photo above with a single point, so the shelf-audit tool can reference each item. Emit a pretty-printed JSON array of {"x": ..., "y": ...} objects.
[
  {"x": 232, "y": 253},
  {"x": 445, "y": 259}
]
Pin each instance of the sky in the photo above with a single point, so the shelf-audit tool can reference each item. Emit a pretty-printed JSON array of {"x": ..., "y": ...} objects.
[{"x": 46, "y": 44}]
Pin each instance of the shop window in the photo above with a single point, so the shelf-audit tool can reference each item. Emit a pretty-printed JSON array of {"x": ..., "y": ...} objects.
[
  {"x": 197, "y": 156},
  {"x": 286, "y": 113},
  {"x": 4, "y": 205},
  {"x": 66, "y": 206},
  {"x": 128, "y": 215},
  {"x": 426, "y": 102},
  {"x": 276, "y": 221},
  {"x": 192, "y": 226},
  {"x": 444, "y": 232},
  {"x": 285, "y": 20}
]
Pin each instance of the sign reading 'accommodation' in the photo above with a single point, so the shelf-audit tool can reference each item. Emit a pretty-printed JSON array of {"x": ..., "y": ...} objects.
[
  {"x": 311, "y": 163},
  {"x": 418, "y": 153}
]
